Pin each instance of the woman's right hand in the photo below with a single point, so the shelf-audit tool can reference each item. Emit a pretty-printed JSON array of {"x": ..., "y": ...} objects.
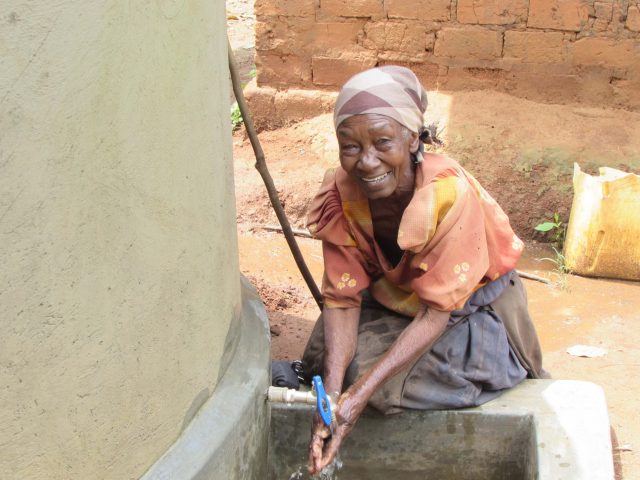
[
  {"x": 325, "y": 444},
  {"x": 320, "y": 436},
  {"x": 340, "y": 337}
]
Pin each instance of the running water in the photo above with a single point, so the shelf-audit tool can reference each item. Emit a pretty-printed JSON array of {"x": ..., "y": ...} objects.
[
  {"x": 297, "y": 475},
  {"x": 330, "y": 472}
]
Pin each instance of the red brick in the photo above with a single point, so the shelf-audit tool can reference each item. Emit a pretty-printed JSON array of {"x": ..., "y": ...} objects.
[
  {"x": 534, "y": 47},
  {"x": 399, "y": 57},
  {"x": 274, "y": 70},
  {"x": 352, "y": 8},
  {"x": 603, "y": 10},
  {"x": 543, "y": 87},
  {"x": 604, "y": 52},
  {"x": 603, "y": 14},
  {"x": 293, "y": 105},
  {"x": 627, "y": 94},
  {"x": 289, "y": 8},
  {"x": 336, "y": 71},
  {"x": 432, "y": 10},
  {"x": 302, "y": 35},
  {"x": 595, "y": 85},
  {"x": 261, "y": 104},
  {"x": 633, "y": 18},
  {"x": 459, "y": 78},
  {"x": 569, "y": 15},
  {"x": 273, "y": 108},
  {"x": 428, "y": 74},
  {"x": 396, "y": 41},
  {"x": 328, "y": 36},
  {"x": 467, "y": 43},
  {"x": 492, "y": 12},
  {"x": 284, "y": 35}
]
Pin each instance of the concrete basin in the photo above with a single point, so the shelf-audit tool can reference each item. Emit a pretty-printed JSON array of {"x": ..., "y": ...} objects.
[{"x": 542, "y": 429}]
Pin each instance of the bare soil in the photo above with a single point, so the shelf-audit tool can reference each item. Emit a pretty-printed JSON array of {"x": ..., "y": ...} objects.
[{"x": 523, "y": 153}]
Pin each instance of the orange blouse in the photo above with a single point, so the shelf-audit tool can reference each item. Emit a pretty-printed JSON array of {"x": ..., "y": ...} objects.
[{"x": 454, "y": 235}]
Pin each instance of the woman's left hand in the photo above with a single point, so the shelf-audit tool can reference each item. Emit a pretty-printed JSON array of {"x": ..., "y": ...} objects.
[{"x": 348, "y": 409}]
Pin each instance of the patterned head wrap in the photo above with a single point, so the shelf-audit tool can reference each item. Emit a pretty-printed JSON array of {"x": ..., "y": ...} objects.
[{"x": 391, "y": 91}]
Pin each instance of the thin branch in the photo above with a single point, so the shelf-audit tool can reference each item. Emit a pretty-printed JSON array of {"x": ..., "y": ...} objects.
[
  {"x": 299, "y": 232},
  {"x": 531, "y": 276},
  {"x": 261, "y": 166}
]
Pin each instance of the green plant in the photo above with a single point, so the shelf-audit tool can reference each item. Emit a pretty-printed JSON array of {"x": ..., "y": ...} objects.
[
  {"x": 561, "y": 269},
  {"x": 558, "y": 261},
  {"x": 252, "y": 72},
  {"x": 236, "y": 116},
  {"x": 557, "y": 229}
]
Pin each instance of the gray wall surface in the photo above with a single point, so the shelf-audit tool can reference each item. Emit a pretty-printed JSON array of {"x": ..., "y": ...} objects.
[{"x": 119, "y": 271}]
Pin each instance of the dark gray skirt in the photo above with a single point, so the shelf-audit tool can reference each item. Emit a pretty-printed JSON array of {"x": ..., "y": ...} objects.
[{"x": 488, "y": 346}]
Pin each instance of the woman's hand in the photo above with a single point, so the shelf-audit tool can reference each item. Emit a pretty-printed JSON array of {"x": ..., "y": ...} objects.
[
  {"x": 320, "y": 434},
  {"x": 414, "y": 341},
  {"x": 324, "y": 444}
]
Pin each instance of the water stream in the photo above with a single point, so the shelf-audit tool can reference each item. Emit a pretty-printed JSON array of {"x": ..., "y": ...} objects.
[{"x": 330, "y": 472}]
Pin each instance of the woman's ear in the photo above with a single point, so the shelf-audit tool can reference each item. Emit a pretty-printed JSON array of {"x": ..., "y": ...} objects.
[{"x": 414, "y": 142}]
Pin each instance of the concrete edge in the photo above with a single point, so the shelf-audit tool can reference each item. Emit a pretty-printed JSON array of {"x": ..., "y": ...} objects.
[
  {"x": 572, "y": 426},
  {"x": 570, "y": 420},
  {"x": 228, "y": 437}
]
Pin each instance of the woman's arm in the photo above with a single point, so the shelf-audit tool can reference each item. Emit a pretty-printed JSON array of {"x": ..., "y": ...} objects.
[
  {"x": 414, "y": 341},
  {"x": 340, "y": 340}
]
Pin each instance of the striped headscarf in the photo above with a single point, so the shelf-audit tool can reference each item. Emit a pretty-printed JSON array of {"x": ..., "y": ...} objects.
[{"x": 391, "y": 91}]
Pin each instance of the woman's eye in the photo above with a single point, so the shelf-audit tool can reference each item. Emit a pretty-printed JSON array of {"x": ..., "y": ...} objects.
[
  {"x": 383, "y": 142},
  {"x": 349, "y": 148}
]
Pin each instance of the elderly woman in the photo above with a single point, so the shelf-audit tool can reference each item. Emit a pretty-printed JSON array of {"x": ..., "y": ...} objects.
[{"x": 422, "y": 308}]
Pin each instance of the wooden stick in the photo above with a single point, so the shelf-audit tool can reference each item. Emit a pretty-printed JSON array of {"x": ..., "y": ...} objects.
[
  {"x": 261, "y": 166},
  {"x": 306, "y": 234},
  {"x": 300, "y": 232},
  {"x": 531, "y": 276}
]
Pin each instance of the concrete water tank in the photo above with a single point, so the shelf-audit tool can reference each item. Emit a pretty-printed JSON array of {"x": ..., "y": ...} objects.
[{"x": 121, "y": 303}]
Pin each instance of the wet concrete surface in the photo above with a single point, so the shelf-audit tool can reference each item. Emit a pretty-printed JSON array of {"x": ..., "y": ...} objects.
[{"x": 573, "y": 310}]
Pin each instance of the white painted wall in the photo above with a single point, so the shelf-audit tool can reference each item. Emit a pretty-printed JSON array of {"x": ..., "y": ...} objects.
[{"x": 118, "y": 253}]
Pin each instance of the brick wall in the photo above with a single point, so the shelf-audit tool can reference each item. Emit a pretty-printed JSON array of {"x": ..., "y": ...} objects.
[{"x": 549, "y": 50}]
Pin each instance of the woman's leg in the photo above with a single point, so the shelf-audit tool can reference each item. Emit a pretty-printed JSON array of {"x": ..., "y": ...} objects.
[{"x": 511, "y": 307}]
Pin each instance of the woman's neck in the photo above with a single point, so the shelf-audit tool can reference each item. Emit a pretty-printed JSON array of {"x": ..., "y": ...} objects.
[
  {"x": 386, "y": 214},
  {"x": 393, "y": 204}
]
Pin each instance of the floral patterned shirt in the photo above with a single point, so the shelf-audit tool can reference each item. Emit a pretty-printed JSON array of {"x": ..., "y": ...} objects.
[{"x": 454, "y": 236}]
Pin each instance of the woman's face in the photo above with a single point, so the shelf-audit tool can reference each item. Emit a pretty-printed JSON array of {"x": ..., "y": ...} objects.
[{"x": 376, "y": 152}]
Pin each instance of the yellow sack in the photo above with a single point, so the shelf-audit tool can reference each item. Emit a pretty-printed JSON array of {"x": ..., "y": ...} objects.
[{"x": 603, "y": 236}]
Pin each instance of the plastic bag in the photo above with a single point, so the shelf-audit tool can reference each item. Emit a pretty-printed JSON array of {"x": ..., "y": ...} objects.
[{"x": 603, "y": 236}]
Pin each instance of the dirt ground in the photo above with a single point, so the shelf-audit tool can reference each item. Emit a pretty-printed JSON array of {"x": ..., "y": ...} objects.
[{"x": 523, "y": 153}]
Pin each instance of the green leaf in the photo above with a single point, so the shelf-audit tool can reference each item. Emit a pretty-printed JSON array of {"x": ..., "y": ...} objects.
[
  {"x": 236, "y": 116},
  {"x": 545, "y": 227}
]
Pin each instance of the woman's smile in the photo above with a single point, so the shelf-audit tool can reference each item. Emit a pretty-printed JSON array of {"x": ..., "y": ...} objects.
[
  {"x": 377, "y": 179},
  {"x": 376, "y": 151}
]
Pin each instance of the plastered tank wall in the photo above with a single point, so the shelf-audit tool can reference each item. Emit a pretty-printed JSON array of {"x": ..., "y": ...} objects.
[
  {"x": 119, "y": 278},
  {"x": 554, "y": 51}
]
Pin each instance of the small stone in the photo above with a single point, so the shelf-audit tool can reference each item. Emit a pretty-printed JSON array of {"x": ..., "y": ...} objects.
[{"x": 633, "y": 18}]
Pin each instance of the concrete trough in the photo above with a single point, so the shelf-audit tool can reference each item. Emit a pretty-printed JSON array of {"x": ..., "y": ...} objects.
[{"x": 542, "y": 429}]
